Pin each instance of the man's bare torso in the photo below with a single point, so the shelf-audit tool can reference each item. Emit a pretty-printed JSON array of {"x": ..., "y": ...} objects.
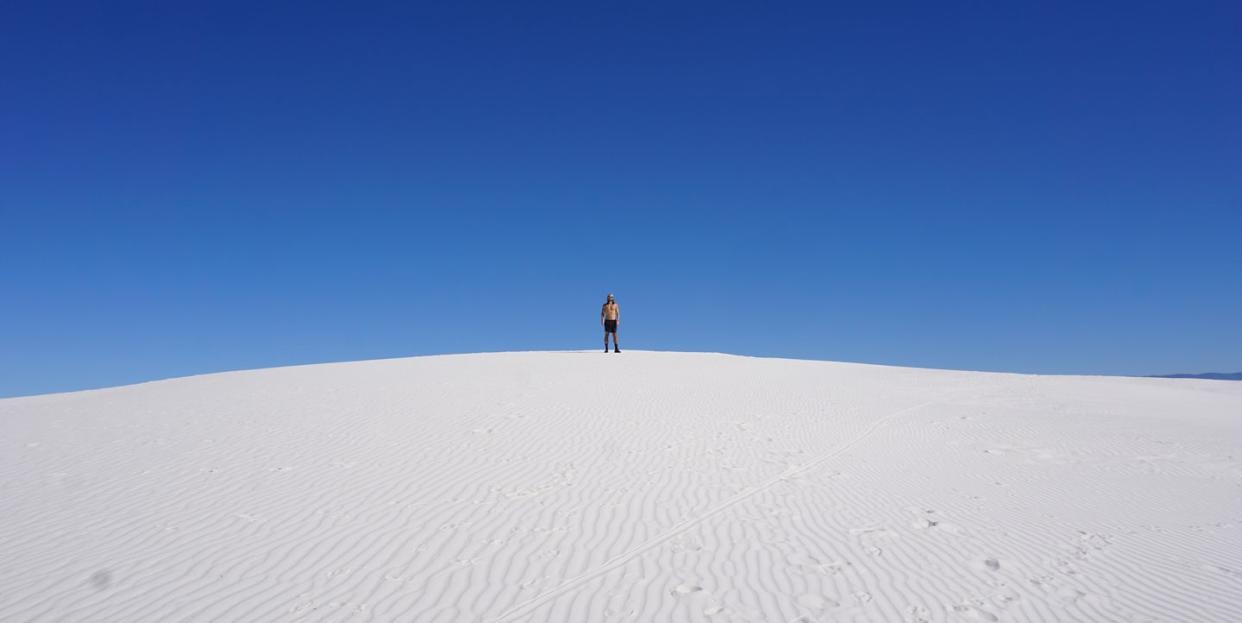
[{"x": 611, "y": 311}]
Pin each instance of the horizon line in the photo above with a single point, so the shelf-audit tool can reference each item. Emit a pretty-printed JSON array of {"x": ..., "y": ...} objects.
[{"x": 1206, "y": 376}]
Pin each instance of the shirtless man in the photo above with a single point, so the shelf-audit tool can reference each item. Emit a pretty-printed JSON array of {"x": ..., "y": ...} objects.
[{"x": 610, "y": 317}]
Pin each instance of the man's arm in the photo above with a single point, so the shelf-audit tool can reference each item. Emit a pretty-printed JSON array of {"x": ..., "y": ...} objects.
[{"x": 618, "y": 314}]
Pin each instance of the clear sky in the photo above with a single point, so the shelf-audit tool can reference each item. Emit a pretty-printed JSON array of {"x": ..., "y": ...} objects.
[{"x": 194, "y": 187}]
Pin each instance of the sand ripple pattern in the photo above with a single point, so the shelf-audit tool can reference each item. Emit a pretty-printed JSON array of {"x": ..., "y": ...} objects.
[{"x": 635, "y": 487}]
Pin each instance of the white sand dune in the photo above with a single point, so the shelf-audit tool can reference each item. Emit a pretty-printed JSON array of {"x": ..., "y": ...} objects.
[{"x": 642, "y": 486}]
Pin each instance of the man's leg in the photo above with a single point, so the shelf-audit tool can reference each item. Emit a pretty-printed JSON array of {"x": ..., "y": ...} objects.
[{"x": 616, "y": 345}]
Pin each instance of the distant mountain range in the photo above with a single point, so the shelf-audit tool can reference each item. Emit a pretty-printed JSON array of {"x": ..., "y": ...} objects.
[{"x": 1215, "y": 376}]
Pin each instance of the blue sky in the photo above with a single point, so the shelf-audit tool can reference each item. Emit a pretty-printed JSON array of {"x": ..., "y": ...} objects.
[{"x": 187, "y": 189}]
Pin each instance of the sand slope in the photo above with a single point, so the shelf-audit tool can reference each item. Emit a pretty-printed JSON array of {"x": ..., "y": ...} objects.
[{"x": 635, "y": 487}]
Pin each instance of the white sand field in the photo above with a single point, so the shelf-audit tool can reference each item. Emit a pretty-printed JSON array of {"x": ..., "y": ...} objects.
[{"x": 641, "y": 486}]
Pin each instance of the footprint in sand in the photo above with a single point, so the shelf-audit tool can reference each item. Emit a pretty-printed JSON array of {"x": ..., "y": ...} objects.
[
  {"x": 874, "y": 538},
  {"x": 939, "y": 526},
  {"x": 685, "y": 589},
  {"x": 918, "y": 614},
  {"x": 817, "y": 603},
  {"x": 975, "y": 612},
  {"x": 1004, "y": 596},
  {"x": 535, "y": 584},
  {"x": 1069, "y": 594},
  {"x": 1094, "y": 541},
  {"x": 810, "y": 564},
  {"x": 683, "y": 545}
]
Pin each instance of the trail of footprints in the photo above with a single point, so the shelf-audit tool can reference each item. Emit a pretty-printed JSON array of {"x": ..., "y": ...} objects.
[{"x": 814, "y": 607}]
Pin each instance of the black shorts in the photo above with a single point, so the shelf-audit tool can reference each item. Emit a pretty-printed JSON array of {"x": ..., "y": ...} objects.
[{"x": 610, "y": 326}]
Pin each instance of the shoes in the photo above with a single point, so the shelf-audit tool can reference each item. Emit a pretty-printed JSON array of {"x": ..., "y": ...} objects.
[{"x": 616, "y": 349}]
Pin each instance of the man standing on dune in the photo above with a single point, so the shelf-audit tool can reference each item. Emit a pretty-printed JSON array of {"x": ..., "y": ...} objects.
[{"x": 610, "y": 316}]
